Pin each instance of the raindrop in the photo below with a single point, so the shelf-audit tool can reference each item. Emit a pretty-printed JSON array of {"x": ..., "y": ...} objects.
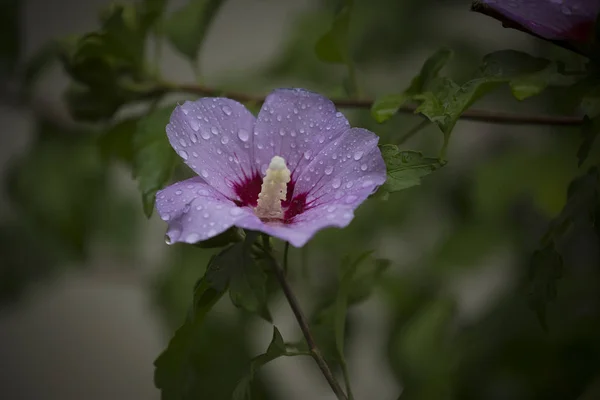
[
  {"x": 212, "y": 232},
  {"x": 224, "y": 139},
  {"x": 281, "y": 132},
  {"x": 350, "y": 199},
  {"x": 214, "y": 131},
  {"x": 307, "y": 154},
  {"x": 165, "y": 217},
  {"x": 349, "y": 184},
  {"x": 279, "y": 118},
  {"x": 336, "y": 183},
  {"x": 194, "y": 124},
  {"x": 226, "y": 110},
  {"x": 199, "y": 208},
  {"x": 358, "y": 155},
  {"x": 205, "y": 135},
  {"x": 293, "y": 133},
  {"x": 339, "y": 114},
  {"x": 183, "y": 154},
  {"x": 367, "y": 184},
  {"x": 321, "y": 139},
  {"x": 204, "y": 173},
  {"x": 243, "y": 135},
  {"x": 363, "y": 167},
  {"x": 206, "y": 215},
  {"x": 192, "y": 238},
  {"x": 194, "y": 137},
  {"x": 185, "y": 111},
  {"x": 295, "y": 110},
  {"x": 194, "y": 154},
  {"x": 182, "y": 142},
  {"x": 178, "y": 192},
  {"x": 328, "y": 170},
  {"x": 236, "y": 211}
]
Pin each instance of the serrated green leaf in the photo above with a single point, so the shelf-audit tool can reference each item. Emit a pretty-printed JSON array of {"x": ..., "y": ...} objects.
[
  {"x": 175, "y": 368},
  {"x": 332, "y": 47},
  {"x": 117, "y": 142},
  {"x": 153, "y": 157},
  {"x": 187, "y": 26},
  {"x": 248, "y": 281},
  {"x": 386, "y": 106},
  {"x": 406, "y": 168},
  {"x": 276, "y": 349}
]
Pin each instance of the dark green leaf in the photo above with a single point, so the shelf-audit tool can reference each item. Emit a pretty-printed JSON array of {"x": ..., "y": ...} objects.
[
  {"x": 175, "y": 369},
  {"x": 386, "y": 106},
  {"x": 153, "y": 157},
  {"x": 406, "y": 168},
  {"x": 332, "y": 47},
  {"x": 187, "y": 26},
  {"x": 150, "y": 12},
  {"x": 88, "y": 105},
  {"x": 231, "y": 235},
  {"x": 9, "y": 36},
  {"x": 117, "y": 141},
  {"x": 276, "y": 349}
]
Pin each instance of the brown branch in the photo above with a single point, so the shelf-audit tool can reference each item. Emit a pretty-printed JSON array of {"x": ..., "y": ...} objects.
[
  {"x": 494, "y": 117},
  {"x": 303, "y": 322}
]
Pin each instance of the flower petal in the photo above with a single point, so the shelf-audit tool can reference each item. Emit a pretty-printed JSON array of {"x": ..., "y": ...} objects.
[
  {"x": 554, "y": 19},
  {"x": 195, "y": 211},
  {"x": 345, "y": 172},
  {"x": 305, "y": 226},
  {"x": 295, "y": 124},
  {"x": 214, "y": 137}
]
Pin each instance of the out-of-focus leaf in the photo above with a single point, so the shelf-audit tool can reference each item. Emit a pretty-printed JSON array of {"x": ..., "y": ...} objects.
[
  {"x": 187, "y": 26},
  {"x": 87, "y": 105},
  {"x": 39, "y": 62},
  {"x": 9, "y": 36},
  {"x": 544, "y": 271},
  {"x": 406, "y": 168},
  {"x": 153, "y": 156},
  {"x": 276, "y": 349},
  {"x": 59, "y": 187},
  {"x": 332, "y": 47},
  {"x": 589, "y": 131},
  {"x": 151, "y": 11},
  {"x": 175, "y": 373},
  {"x": 386, "y": 106},
  {"x": 117, "y": 141},
  {"x": 231, "y": 235}
]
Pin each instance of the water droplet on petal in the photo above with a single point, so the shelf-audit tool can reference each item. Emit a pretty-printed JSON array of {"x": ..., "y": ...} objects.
[
  {"x": 350, "y": 199},
  {"x": 243, "y": 135},
  {"x": 281, "y": 132},
  {"x": 358, "y": 155},
  {"x": 205, "y": 135},
  {"x": 307, "y": 154},
  {"x": 336, "y": 183},
  {"x": 183, "y": 154},
  {"x": 367, "y": 184},
  {"x": 204, "y": 173},
  {"x": 363, "y": 167},
  {"x": 194, "y": 124},
  {"x": 328, "y": 170},
  {"x": 182, "y": 142},
  {"x": 214, "y": 131},
  {"x": 349, "y": 184},
  {"x": 224, "y": 139},
  {"x": 226, "y": 110},
  {"x": 206, "y": 215},
  {"x": 236, "y": 211},
  {"x": 199, "y": 208},
  {"x": 212, "y": 232},
  {"x": 293, "y": 133},
  {"x": 178, "y": 192},
  {"x": 194, "y": 137},
  {"x": 165, "y": 217},
  {"x": 192, "y": 238},
  {"x": 295, "y": 110}
]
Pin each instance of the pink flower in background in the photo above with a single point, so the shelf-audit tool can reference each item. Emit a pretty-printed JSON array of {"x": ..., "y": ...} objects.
[
  {"x": 567, "y": 20},
  {"x": 295, "y": 169}
]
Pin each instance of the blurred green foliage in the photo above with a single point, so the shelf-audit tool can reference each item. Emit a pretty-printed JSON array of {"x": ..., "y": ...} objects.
[{"x": 531, "y": 194}]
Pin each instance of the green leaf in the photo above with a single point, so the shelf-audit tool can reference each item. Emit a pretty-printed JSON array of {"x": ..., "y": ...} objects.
[
  {"x": 117, "y": 142},
  {"x": 187, "y": 26},
  {"x": 276, "y": 349},
  {"x": 175, "y": 368},
  {"x": 332, "y": 47},
  {"x": 150, "y": 12},
  {"x": 387, "y": 106},
  {"x": 153, "y": 157},
  {"x": 231, "y": 235},
  {"x": 248, "y": 281},
  {"x": 88, "y": 105},
  {"x": 406, "y": 168}
]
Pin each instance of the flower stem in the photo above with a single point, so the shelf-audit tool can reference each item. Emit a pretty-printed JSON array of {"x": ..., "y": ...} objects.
[
  {"x": 492, "y": 117},
  {"x": 303, "y": 322}
]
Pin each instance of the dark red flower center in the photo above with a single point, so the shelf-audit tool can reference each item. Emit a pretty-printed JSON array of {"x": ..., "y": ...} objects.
[{"x": 248, "y": 188}]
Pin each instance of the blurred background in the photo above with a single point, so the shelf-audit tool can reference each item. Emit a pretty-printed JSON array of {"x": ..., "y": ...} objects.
[{"x": 90, "y": 294}]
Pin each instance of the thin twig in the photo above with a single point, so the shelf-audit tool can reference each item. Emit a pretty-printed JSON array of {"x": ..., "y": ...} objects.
[
  {"x": 303, "y": 322},
  {"x": 493, "y": 117}
]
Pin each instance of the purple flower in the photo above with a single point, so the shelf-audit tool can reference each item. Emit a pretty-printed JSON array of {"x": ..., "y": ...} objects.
[
  {"x": 296, "y": 169},
  {"x": 568, "y": 20}
]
